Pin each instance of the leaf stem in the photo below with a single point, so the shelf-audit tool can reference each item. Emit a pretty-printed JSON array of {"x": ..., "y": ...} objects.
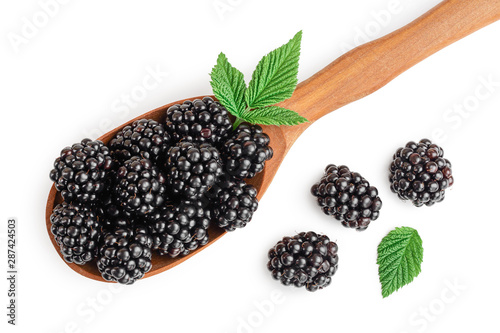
[{"x": 237, "y": 123}]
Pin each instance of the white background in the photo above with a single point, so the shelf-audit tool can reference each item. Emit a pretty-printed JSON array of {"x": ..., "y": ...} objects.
[{"x": 68, "y": 79}]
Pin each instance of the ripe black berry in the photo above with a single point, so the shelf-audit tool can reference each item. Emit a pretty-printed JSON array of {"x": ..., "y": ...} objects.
[
  {"x": 178, "y": 229},
  {"x": 427, "y": 176},
  {"x": 80, "y": 170},
  {"x": 125, "y": 255},
  {"x": 305, "y": 260},
  {"x": 76, "y": 229},
  {"x": 198, "y": 121},
  {"x": 348, "y": 197},
  {"x": 139, "y": 186},
  {"x": 246, "y": 151},
  {"x": 145, "y": 138},
  {"x": 192, "y": 169},
  {"x": 234, "y": 203}
]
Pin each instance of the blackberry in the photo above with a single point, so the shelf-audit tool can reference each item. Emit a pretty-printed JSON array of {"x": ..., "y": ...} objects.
[
  {"x": 305, "y": 260},
  {"x": 246, "y": 151},
  {"x": 420, "y": 173},
  {"x": 76, "y": 229},
  {"x": 348, "y": 197},
  {"x": 144, "y": 138},
  {"x": 198, "y": 121},
  {"x": 179, "y": 229},
  {"x": 234, "y": 204},
  {"x": 125, "y": 255},
  {"x": 139, "y": 187},
  {"x": 80, "y": 170},
  {"x": 192, "y": 169}
]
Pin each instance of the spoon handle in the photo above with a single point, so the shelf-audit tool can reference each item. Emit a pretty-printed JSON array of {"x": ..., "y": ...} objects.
[{"x": 369, "y": 67}]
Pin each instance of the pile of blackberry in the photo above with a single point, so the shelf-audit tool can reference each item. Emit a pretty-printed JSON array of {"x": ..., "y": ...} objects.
[
  {"x": 155, "y": 188},
  {"x": 305, "y": 260},
  {"x": 420, "y": 173},
  {"x": 348, "y": 197}
]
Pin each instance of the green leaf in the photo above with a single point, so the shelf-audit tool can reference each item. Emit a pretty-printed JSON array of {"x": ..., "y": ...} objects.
[
  {"x": 275, "y": 77},
  {"x": 228, "y": 85},
  {"x": 273, "y": 115},
  {"x": 400, "y": 256}
]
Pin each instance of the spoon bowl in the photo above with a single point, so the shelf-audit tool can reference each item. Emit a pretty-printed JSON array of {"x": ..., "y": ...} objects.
[
  {"x": 356, "y": 74},
  {"x": 163, "y": 263}
]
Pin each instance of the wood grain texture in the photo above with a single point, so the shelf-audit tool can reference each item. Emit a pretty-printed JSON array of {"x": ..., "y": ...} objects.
[{"x": 356, "y": 74}]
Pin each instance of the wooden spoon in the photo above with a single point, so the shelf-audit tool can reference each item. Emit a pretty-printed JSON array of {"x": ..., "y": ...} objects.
[{"x": 356, "y": 74}]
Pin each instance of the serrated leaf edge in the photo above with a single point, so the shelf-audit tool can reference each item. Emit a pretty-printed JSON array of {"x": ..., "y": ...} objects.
[
  {"x": 256, "y": 95},
  {"x": 228, "y": 85},
  {"x": 392, "y": 281},
  {"x": 291, "y": 118}
]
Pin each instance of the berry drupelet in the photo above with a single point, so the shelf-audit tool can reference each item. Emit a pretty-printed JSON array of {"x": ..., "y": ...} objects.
[
  {"x": 125, "y": 255},
  {"x": 178, "y": 229},
  {"x": 139, "y": 187},
  {"x": 80, "y": 170},
  {"x": 305, "y": 260},
  {"x": 198, "y": 121},
  {"x": 246, "y": 151},
  {"x": 76, "y": 229},
  {"x": 145, "y": 138},
  {"x": 420, "y": 173},
  {"x": 348, "y": 197},
  {"x": 191, "y": 169},
  {"x": 234, "y": 203}
]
